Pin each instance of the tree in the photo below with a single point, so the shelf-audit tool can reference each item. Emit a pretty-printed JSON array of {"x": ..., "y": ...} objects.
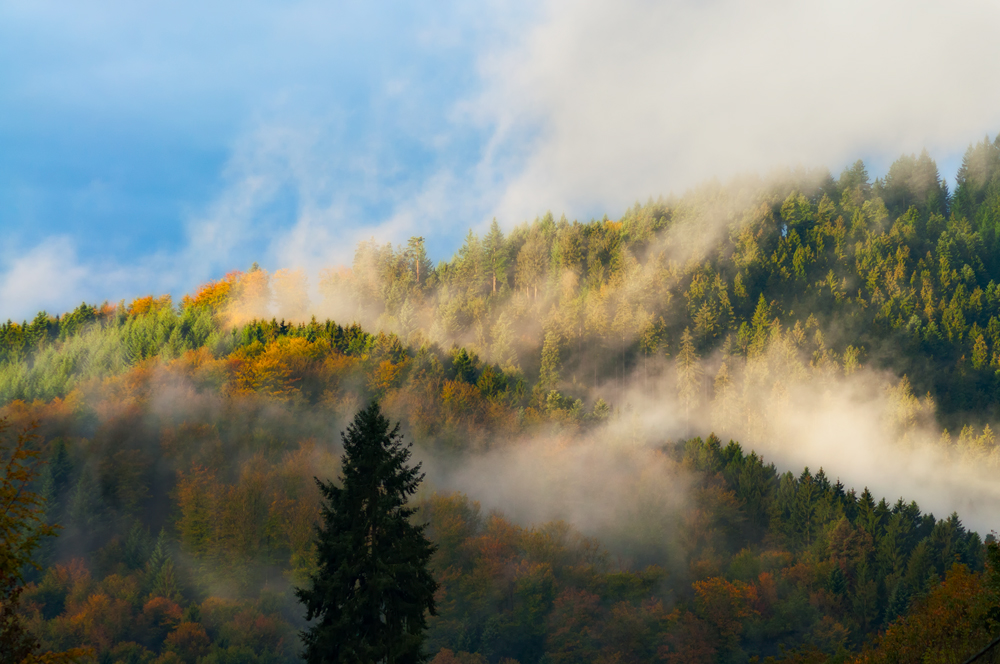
[
  {"x": 416, "y": 255},
  {"x": 689, "y": 374},
  {"x": 22, "y": 527},
  {"x": 548, "y": 377},
  {"x": 372, "y": 590},
  {"x": 531, "y": 260},
  {"x": 495, "y": 248}
]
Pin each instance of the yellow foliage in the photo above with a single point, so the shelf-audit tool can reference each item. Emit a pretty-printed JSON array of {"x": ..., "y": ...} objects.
[
  {"x": 214, "y": 294},
  {"x": 386, "y": 376},
  {"x": 148, "y": 304}
]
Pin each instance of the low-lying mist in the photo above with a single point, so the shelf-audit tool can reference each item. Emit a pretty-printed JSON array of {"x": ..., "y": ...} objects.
[
  {"x": 794, "y": 401},
  {"x": 864, "y": 428}
]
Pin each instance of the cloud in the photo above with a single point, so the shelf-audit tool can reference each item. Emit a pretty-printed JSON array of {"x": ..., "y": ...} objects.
[
  {"x": 55, "y": 276},
  {"x": 627, "y": 494},
  {"x": 613, "y": 102},
  {"x": 865, "y": 428},
  {"x": 48, "y": 276},
  {"x": 337, "y": 124}
]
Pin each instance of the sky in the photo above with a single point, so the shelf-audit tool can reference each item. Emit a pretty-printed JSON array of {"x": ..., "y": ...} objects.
[{"x": 146, "y": 148}]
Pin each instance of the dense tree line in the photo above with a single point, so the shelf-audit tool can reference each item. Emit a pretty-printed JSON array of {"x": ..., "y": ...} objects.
[
  {"x": 758, "y": 558},
  {"x": 771, "y": 559},
  {"x": 900, "y": 270},
  {"x": 181, "y": 439}
]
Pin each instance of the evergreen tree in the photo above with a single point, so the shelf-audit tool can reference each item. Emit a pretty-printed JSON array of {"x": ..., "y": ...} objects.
[
  {"x": 373, "y": 589},
  {"x": 495, "y": 248},
  {"x": 689, "y": 374},
  {"x": 416, "y": 256},
  {"x": 161, "y": 576}
]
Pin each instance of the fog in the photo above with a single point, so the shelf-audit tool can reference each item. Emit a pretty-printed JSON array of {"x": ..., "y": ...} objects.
[
  {"x": 577, "y": 107},
  {"x": 629, "y": 99}
]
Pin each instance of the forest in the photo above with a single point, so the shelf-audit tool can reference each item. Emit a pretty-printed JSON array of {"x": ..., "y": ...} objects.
[{"x": 608, "y": 414}]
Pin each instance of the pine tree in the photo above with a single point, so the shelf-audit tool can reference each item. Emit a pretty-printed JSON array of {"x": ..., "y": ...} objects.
[
  {"x": 372, "y": 591},
  {"x": 496, "y": 254},
  {"x": 416, "y": 256},
  {"x": 548, "y": 377},
  {"x": 160, "y": 576},
  {"x": 689, "y": 374}
]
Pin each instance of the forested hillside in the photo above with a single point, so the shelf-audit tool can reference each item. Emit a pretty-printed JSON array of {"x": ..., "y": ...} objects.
[{"x": 181, "y": 439}]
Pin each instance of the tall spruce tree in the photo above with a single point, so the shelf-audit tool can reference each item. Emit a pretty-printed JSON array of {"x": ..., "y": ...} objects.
[{"x": 373, "y": 590}]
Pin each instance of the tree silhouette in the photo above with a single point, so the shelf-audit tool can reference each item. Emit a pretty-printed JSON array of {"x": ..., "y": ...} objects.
[{"x": 372, "y": 591}]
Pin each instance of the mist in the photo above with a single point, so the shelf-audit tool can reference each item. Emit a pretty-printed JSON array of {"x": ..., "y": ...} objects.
[
  {"x": 582, "y": 108},
  {"x": 556, "y": 374},
  {"x": 795, "y": 401}
]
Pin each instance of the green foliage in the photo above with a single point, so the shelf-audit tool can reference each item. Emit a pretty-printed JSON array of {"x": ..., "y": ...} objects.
[
  {"x": 898, "y": 270},
  {"x": 205, "y": 429}
]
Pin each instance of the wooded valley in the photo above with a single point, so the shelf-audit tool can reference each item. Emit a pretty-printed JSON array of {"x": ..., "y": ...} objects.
[{"x": 632, "y": 385}]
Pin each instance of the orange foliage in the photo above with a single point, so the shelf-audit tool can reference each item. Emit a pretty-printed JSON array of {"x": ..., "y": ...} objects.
[
  {"x": 162, "y": 611},
  {"x": 767, "y": 595},
  {"x": 461, "y": 400},
  {"x": 214, "y": 294},
  {"x": 497, "y": 547},
  {"x": 264, "y": 375},
  {"x": 573, "y": 620},
  {"x": 275, "y": 371},
  {"x": 386, "y": 376},
  {"x": 148, "y": 304},
  {"x": 54, "y": 418},
  {"x": 801, "y": 574},
  {"x": 298, "y": 506},
  {"x": 258, "y": 631},
  {"x": 101, "y": 621},
  {"x": 121, "y": 394},
  {"x": 250, "y": 298},
  {"x": 725, "y": 604},
  {"x": 74, "y": 578},
  {"x": 949, "y": 625},
  {"x": 189, "y": 640},
  {"x": 446, "y": 656}
]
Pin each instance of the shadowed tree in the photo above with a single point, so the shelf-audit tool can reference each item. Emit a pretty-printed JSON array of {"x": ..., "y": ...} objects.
[
  {"x": 373, "y": 590},
  {"x": 22, "y": 528}
]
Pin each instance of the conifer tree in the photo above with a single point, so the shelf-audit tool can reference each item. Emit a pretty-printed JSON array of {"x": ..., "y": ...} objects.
[
  {"x": 548, "y": 377},
  {"x": 496, "y": 254},
  {"x": 371, "y": 593},
  {"x": 416, "y": 255},
  {"x": 689, "y": 374}
]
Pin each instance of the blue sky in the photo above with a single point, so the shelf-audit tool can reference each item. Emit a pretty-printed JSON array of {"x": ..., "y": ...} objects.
[{"x": 148, "y": 147}]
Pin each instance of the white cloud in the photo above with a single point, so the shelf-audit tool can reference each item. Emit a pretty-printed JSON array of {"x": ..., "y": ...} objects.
[
  {"x": 48, "y": 276},
  {"x": 579, "y": 107},
  {"x": 612, "y": 102}
]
